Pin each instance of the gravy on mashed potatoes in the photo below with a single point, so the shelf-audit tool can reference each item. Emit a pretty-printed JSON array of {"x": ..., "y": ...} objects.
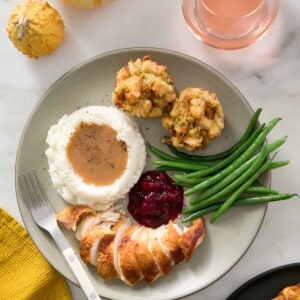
[
  {"x": 95, "y": 155},
  {"x": 94, "y": 150}
]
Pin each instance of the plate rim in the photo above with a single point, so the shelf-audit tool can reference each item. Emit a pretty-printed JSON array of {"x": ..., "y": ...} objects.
[
  {"x": 101, "y": 56},
  {"x": 260, "y": 276}
]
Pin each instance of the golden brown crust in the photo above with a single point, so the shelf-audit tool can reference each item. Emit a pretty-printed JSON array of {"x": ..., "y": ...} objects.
[
  {"x": 195, "y": 120},
  {"x": 105, "y": 262},
  {"x": 71, "y": 215},
  {"x": 133, "y": 252},
  {"x": 144, "y": 257},
  {"x": 171, "y": 240},
  {"x": 144, "y": 88},
  {"x": 162, "y": 259},
  {"x": 289, "y": 293},
  {"x": 88, "y": 239},
  {"x": 129, "y": 269},
  {"x": 191, "y": 238}
]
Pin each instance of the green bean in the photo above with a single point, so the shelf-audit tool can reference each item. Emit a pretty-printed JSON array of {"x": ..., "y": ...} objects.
[
  {"x": 261, "y": 190},
  {"x": 229, "y": 159},
  {"x": 166, "y": 168},
  {"x": 224, "y": 182},
  {"x": 184, "y": 184},
  {"x": 179, "y": 165},
  {"x": 232, "y": 170},
  {"x": 170, "y": 158},
  {"x": 232, "y": 186},
  {"x": 207, "y": 181},
  {"x": 278, "y": 164},
  {"x": 239, "y": 191},
  {"x": 161, "y": 154},
  {"x": 248, "y": 147},
  {"x": 249, "y": 130},
  {"x": 240, "y": 202},
  {"x": 182, "y": 179},
  {"x": 201, "y": 204}
]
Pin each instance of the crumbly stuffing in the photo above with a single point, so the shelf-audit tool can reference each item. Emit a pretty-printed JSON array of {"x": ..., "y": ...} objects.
[
  {"x": 144, "y": 88},
  {"x": 196, "y": 118}
]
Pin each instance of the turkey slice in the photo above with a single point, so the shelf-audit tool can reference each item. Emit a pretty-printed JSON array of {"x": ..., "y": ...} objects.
[
  {"x": 159, "y": 253},
  {"x": 71, "y": 215},
  {"x": 192, "y": 237},
  {"x": 105, "y": 262},
  {"x": 105, "y": 219},
  {"x": 127, "y": 264},
  {"x": 170, "y": 238},
  {"x": 160, "y": 233},
  {"x": 89, "y": 243},
  {"x": 146, "y": 262},
  {"x": 106, "y": 265}
]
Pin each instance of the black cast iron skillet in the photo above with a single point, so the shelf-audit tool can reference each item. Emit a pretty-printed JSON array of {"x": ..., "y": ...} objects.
[{"x": 267, "y": 285}]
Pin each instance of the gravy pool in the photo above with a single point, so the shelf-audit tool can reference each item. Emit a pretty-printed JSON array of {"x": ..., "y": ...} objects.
[{"x": 96, "y": 155}]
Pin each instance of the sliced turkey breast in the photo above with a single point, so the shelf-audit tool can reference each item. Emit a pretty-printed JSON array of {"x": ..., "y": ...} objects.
[
  {"x": 108, "y": 216},
  {"x": 105, "y": 219},
  {"x": 146, "y": 262},
  {"x": 71, "y": 215},
  {"x": 106, "y": 262},
  {"x": 170, "y": 238},
  {"x": 84, "y": 225},
  {"x": 192, "y": 237},
  {"x": 130, "y": 252},
  {"x": 159, "y": 254},
  {"x": 89, "y": 243},
  {"x": 160, "y": 231},
  {"x": 128, "y": 266}
]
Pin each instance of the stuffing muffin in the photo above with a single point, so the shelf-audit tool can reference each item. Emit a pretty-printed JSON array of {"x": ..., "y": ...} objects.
[
  {"x": 289, "y": 293},
  {"x": 195, "y": 120},
  {"x": 144, "y": 88}
]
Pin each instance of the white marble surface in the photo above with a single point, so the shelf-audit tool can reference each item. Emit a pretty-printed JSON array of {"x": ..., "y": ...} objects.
[{"x": 267, "y": 73}]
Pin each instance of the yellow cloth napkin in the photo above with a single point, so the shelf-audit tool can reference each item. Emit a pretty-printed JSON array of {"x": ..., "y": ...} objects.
[{"x": 24, "y": 272}]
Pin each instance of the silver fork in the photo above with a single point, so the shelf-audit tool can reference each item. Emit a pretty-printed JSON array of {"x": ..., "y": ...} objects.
[{"x": 44, "y": 216}]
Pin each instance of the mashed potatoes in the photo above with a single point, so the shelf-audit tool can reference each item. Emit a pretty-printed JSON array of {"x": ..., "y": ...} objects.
[{"x": 66, "y": 175}]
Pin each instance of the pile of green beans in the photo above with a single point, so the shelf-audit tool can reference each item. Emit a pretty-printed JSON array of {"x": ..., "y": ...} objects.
[{"x": 230, "y": 175}]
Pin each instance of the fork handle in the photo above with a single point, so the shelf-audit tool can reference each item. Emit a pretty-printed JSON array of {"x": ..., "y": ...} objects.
[{"x": 80, "y": 274}]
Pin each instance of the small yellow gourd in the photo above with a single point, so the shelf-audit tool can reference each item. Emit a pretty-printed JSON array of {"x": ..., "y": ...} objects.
[
  {"x": 87, "y": 3},
  {"x": 35, "y": 28}
]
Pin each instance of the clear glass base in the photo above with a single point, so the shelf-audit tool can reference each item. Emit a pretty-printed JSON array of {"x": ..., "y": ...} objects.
[{"x": 226, "y": 33}]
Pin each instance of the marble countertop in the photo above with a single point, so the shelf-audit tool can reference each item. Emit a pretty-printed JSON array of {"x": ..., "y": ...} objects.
[{"x": 267, "y": 73}]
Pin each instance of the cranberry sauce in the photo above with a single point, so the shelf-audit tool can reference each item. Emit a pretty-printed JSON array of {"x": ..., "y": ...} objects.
[{"x": 155, "y": 200}]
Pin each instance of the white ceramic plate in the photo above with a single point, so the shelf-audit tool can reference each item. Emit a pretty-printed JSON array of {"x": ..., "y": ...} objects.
[{"x": 91, "y": 83}]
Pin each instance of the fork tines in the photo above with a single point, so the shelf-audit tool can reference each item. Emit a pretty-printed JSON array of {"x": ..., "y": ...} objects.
[{"x": 34, "y": 194}]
